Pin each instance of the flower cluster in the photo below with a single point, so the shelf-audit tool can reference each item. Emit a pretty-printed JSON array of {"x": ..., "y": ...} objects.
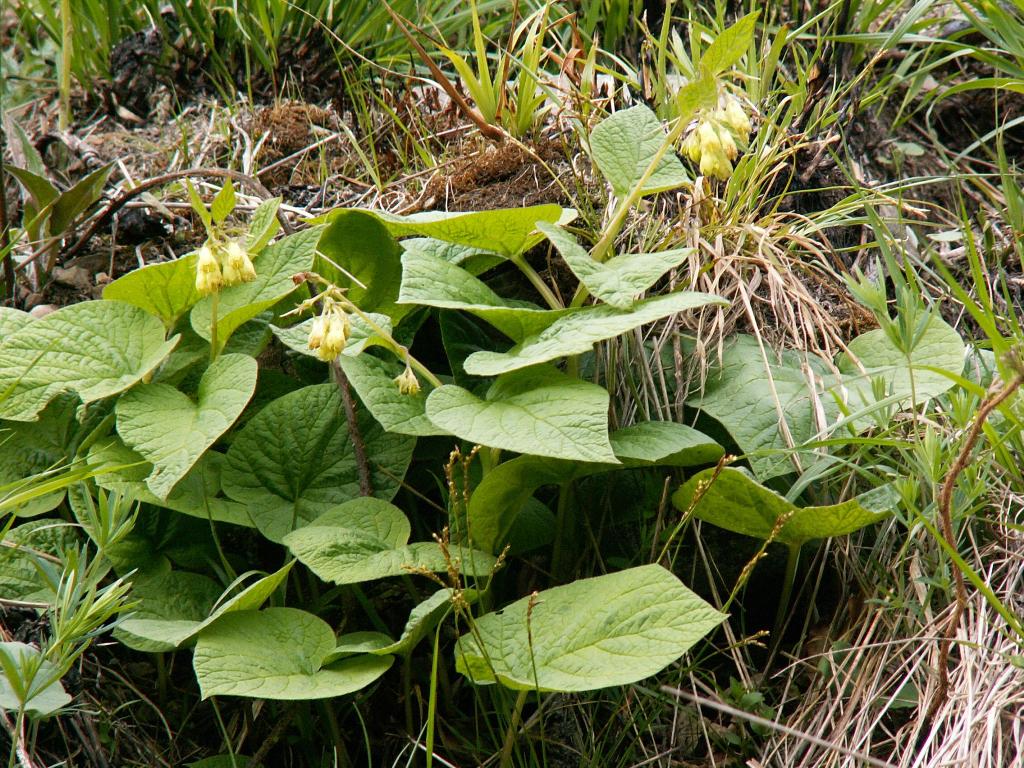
[
  {"x": 220, "y": 266},
  {"x": 407, "y": 382},
  {"x": 713, "y": 144},
  {"x": 330, "y": 330}
]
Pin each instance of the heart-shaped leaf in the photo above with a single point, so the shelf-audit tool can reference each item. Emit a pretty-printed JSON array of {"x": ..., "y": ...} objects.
[
  {"x": 624, "y": 144},
  {"x": 275, "y": 267},
  {"x": 167, "y": 290},
  {"x": 737, "y": 502},
  {"x": 594, "y": 633},
  {"x": 294, "y": 460},
  {"x": 578, "y": 331},
  {"x": 12, "y": 320},
  {"x": 172, "y": 432},
  {"x": 432, "y": 282},
  {"x": 423, "y": 618},
  {"x": 365, "y": 539},
  {"x": 278, "y": 654},
  {"x": 95, "y": 349},
  {"x": 619, "y": 280},
  {"x": 539, "y": 410}
]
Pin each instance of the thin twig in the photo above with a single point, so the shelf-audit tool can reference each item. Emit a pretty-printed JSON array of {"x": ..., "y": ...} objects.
[
  {"x": 272, "y": 738},
  {"x": 354, "y": 433},
  {"x": 946, "y": 522}
]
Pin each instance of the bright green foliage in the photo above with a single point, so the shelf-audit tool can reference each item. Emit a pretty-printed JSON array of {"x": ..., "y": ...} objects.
[
  {"x": 593, "y": 633},
  {"x": 539, "y": 410},
  {"x": 619, "y": 280},
  {"x": 366, "y": 539},
  {"x": 578, "y": 331},
  {"x": 624, "y": 145},
  {"x": 31, "y": 448},
  {"x": 278, "y": 653},
  {"x": 12, "y": 320},
  {"x": 95, "y": 349},
  {"x": 275, "y": 267},
  {"x": 40, "y": 693},
  {"x": 25, "y": 572},
  {"x": 423, "y": 618},
  {"x": 294, "y": 460},
  {"x": 171, "y": 431},
  {"x": 737, "y": 502},
  {"x": 167, "y": 290}
]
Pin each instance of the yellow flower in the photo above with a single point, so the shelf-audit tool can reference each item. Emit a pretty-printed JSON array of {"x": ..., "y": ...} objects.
[
  {"x": 208, "y": 275},
  {"x": 691, "y": 146},
  {"x": 407, "y": 382},
  {"x": 710, "y": 142},
  {"x": 330, "y": 331},
  {"x": 736, "y": 117},
  {"x": 238, "y": 266},
  {"x": 728, "y": 144},
  {"x": 716, "y": 164}
]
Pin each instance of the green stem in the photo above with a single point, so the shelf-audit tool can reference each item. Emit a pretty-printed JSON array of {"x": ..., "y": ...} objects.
[
  {"x": 513, "y": 726},
  {"x": 432, "y": 696},
  {"x": 788, "y": 580},
  {"x": 66, "y": 54},
  {"x": 537, "y": 282},
  {"x": 398, "y": 349},
  {"x": 561, "y": 554}
]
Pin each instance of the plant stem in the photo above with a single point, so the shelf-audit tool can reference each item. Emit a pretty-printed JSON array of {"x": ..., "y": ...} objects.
[
  {"x": 513, "y": 727},
  {"x": 562, "y": 551},
  {"x": 537, "y": 282},
  {"x": 66, "y": 53},
  {"x": 788, "y": 580},
  {"x": 432, "y": 697}
]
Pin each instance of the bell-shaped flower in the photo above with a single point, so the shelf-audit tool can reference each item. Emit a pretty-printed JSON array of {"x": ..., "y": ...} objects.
[{"x": 208, "y": 274}]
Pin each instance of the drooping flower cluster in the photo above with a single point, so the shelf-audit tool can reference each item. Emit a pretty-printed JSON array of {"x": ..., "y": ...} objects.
[
  {"x": 330, "y": 330},
  {"x": 220, "y": 266},
  {"x": 714, "y": 142},
  {"x": 407, "y": 382}
]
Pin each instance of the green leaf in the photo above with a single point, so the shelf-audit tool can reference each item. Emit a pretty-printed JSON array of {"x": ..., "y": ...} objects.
[
  {"x": 294, "y": 460},
  {"x": 175, "y": 607},
  {"x": 740, "y": 398},
  {"x": 506, "y": 231},
  {"x": 199, "y": 207},
  {"x": 737, "y": 502},
  {"x": 423, "y": 618},
  {"x": 263, "y": 225},
  {"x": 29, "y": 449},
  {"x": 95, "y": 349},
  {"x": 76, "y": 200},
  {"x": 624, "y": 144},
  {"x": 167, "y": 290},
  {"x": 171, "y": 431},
  {"x": 24, "y": 573},
  {"x": 363, "y": 258},
  {"x": 374, "y": 381},
  {"x": 38, "y": 186},
  {"x": 12, "y": 320},
  {"x": 730, "y": 45},
  {"x": 278, "y": 654},
  {"x": 223, "y": 203},
  {"x": 42, "y": 695},
  {"x": 664, "y": 443},
  {"x": 433, "y": 282},
  {"x": 366, "y": 539},
  {"x": 275, "y": 267},
  {"x": 170, "y": 607},
  {"x": 594, "y": 633},
  {"x": 123, "y": 470},
  {"x": 619, "y": 280},
  {"x": 358, "y": 642},
  {"x": 539, "y": 410},
  {"x": 474, "y": 260},
  {"x": 578, "y": 331}
]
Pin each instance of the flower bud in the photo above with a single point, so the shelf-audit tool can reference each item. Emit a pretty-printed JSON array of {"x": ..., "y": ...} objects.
[
  {"x": 407, "y": 382},
  {"x": 238, "y": 266},
  {"x": 208, "y": 275},
  {"x": 736, "y": 118}
]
